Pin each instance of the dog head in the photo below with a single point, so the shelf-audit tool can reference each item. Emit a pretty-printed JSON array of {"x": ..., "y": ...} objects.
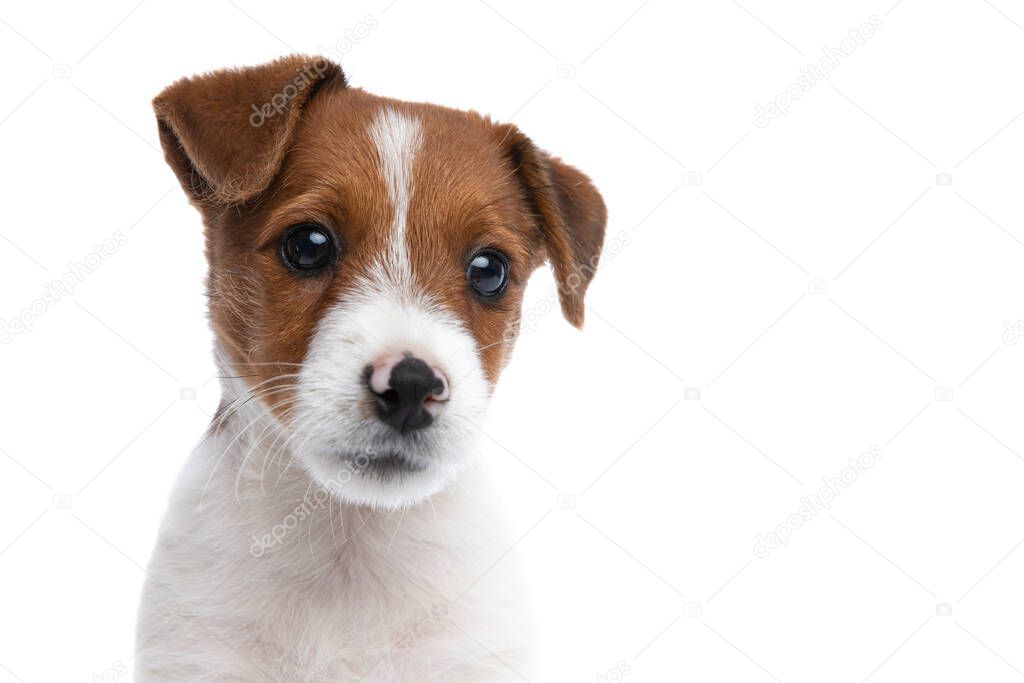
[{"x": 367, "y": 262}]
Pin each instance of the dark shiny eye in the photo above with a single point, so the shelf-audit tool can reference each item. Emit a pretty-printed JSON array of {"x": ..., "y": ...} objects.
[
  {"x": 308, "y": 248},
  {"x": 488, "y": 273}
]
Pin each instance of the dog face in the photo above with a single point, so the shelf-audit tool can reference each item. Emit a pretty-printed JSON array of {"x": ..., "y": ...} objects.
[{"x": 367, "y": 262}]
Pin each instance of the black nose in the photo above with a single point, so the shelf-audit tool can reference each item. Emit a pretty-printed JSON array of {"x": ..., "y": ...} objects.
[{"x": 402, "y": 404}]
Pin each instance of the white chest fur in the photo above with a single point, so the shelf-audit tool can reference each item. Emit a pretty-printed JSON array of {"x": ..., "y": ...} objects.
[{"x": 258, "y": 575}]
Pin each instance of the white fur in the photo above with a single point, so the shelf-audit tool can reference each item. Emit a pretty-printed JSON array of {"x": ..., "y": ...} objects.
[
  {"x": 286, "y": 556},
  {"x": 397, "y": 138},
  {"x": 374, "y": 321},
  {"x": 262, "y": 575}
]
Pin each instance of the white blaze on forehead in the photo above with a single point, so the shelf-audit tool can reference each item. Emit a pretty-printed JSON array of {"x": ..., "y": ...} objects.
[{"x": 397, "y": 137}]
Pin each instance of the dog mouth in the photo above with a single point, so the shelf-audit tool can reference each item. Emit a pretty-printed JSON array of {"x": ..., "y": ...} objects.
[{"x": 384, "y": 465}]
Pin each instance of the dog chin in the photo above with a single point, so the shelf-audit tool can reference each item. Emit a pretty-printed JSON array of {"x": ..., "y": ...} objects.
[{"x": 386, "y": 481}]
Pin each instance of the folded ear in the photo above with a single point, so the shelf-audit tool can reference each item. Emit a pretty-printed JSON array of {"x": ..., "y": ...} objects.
[
  {"x": 570, "y": 213},
  {"x": 225, "y": 133}
]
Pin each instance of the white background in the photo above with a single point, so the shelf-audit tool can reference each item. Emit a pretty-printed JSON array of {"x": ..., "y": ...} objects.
[{"x": 811, "y": 282}]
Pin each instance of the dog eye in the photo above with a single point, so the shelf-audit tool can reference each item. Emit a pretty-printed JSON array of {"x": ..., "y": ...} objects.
[
  {"x": 308, "y": 247},
  {"x": 488, "y": 273}
]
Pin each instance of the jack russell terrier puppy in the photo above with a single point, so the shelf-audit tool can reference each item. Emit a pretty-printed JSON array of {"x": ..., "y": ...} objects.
[{"x": 367, "y": 261}]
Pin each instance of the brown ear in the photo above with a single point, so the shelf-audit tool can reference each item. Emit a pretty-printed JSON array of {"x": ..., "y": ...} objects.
[
  {"x": 225, "y": 133},
  {"x": 570, "y": 213}
]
